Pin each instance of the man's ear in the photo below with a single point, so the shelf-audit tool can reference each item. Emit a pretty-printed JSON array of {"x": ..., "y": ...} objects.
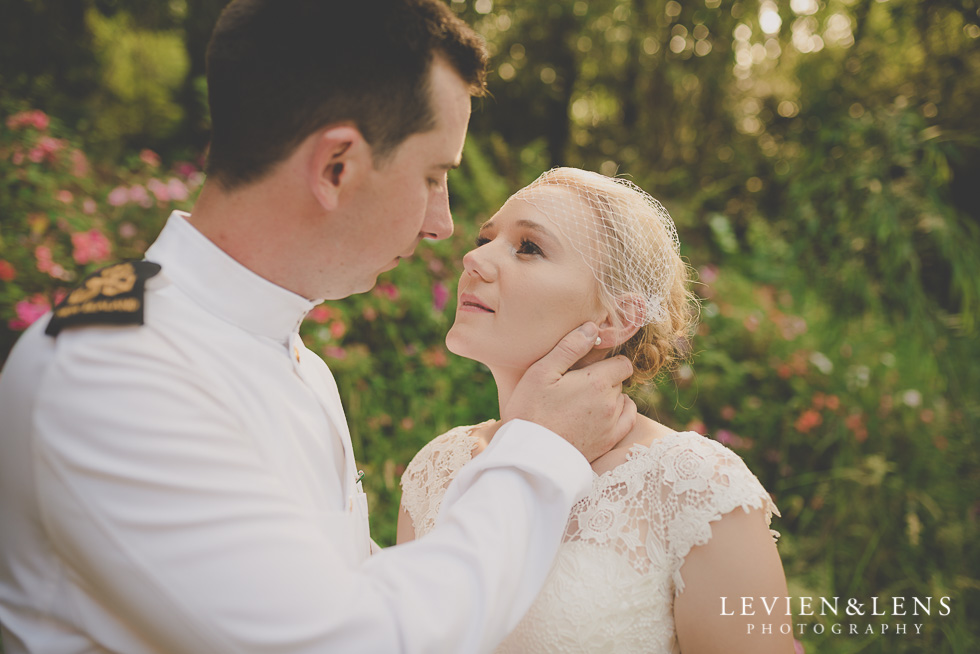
[
  {"x": 623, "y": 322},
  {"x": 339, "y": 160}
]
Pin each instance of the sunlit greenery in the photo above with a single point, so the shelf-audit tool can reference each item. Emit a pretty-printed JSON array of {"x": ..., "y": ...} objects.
[{"x": 820, "y": 158}]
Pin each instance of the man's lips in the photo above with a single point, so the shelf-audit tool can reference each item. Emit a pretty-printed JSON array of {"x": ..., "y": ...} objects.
[{"x": 469, "y": 302}]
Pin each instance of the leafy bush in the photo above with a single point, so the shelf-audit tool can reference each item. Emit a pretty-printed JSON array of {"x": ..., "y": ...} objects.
[
  {"x": 63, "y": 217},
  {"x": 859, "y": 424}
]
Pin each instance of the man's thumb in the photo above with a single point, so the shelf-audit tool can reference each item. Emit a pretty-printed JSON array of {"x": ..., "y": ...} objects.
[{"x": 570, "y": 349}]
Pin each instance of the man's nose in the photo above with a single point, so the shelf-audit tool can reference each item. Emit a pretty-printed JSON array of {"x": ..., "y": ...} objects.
[{"x": 438, "y": 223}]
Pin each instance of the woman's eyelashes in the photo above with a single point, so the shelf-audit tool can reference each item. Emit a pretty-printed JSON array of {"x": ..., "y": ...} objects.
[
  {"x": 526, "y": 246},
  {"x": 529, "y": 247}
]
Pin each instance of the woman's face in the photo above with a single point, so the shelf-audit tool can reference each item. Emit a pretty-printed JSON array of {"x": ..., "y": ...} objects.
[{"x": 522, "y": 290}]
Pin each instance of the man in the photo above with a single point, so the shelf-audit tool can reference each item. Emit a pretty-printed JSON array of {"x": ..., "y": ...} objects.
[{"x": 176, "y": 472}]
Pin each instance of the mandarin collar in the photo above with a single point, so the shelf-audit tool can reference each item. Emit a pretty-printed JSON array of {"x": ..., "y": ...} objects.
[{"x": 224, "y": 287}]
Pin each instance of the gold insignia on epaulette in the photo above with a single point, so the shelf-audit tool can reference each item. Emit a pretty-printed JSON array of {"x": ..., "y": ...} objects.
[{"x": 110, "y": 296}]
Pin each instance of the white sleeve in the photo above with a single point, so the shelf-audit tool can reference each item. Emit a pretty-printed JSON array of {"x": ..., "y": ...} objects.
[{"x": 163, "y": 512}]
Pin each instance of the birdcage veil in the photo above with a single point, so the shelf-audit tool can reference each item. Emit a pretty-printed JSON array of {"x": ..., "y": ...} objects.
[{"x": 625, "y": 235}]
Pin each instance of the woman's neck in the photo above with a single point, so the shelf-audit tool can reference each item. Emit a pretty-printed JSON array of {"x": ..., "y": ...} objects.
[
  {"x": 506, "y": 380},
  {"x": 644, "y": 431}
]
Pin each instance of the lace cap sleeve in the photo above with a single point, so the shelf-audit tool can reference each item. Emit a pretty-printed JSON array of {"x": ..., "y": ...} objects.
[
  {"x": 703, "y": 481},
  {"x": 430, "y": 472}
]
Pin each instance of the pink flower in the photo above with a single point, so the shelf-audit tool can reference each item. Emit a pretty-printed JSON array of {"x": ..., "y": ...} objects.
[
  {"x": 185, "y": 169},
  {"x": 42, "y": 254},
  {"x": 89, "y": 206},
  {"x": 388, "y": 290},
  {"x": 807, "y": 421},
  {"x": 28, "y": 311},
  {"x": 150, "y": 158},
  {"x": 708, "y": 274},
  {"x": 724, "y": 437},
  {"x": 50, "y": 145},
  {"x": 335, "y": 352},
  {"x": 138, "y": 195},
  {"x": 127, "y": 230},
  {"x": 435, "y": 357},
  {"x": 79, "y": 163},
  {"x": 118, "y": 196},
  {"x": 177, "y": 189},
  {"x": 34, "y": 118},
  {"x": 159, "y": 190},
  {"x": 40, "y": 119},
  {"x": 319, "y": 314},
  {"x": 17, "y": 158},
  {"x": 337, "y": 329},
  {"x": 195, "y": 179},
  {"x": 440, "y": 296},
  {"x": 64, "y": 196},
  {"x": 697, "y": 426},
  {"x": 855, "y": 422},
  {"x": 7, "y": 272},
  {"x": 733, "y": 440},
  {"x": 90, "y": 246}
]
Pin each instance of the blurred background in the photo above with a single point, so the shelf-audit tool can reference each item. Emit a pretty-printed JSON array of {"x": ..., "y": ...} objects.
[{"x": 821, "y": 159}]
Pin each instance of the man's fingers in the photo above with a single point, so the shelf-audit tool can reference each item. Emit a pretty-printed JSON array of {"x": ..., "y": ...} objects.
[
  {"x": 627, "y": 419},
  {"x": 610, "y": 372},
  {"x": 570, "y": 349}
]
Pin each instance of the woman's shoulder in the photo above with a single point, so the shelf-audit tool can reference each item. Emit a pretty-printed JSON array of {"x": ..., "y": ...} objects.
[
  {"x": 688, "y": 454},
  {"x": 702, "y": 476},
  {"x": 433, "y": 468},
  {"x": 447, "y": 452},
  {"x": 707, "y": 478}
]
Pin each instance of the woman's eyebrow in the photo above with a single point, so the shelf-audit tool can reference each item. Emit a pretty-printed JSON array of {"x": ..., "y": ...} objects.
[
  {"x": 536, "y": 227},
  {"x": 526, "y": 224}
]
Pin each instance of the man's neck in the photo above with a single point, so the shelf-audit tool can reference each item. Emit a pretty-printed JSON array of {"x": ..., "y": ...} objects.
[{"x": 255, "y": 225}]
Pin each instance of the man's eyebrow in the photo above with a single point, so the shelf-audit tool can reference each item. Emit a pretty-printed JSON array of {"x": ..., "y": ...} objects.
[{"x": 449, "y": 166}]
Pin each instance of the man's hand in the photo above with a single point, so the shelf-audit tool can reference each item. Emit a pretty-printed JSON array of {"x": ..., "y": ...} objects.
[{"x": 587, "y": 406}]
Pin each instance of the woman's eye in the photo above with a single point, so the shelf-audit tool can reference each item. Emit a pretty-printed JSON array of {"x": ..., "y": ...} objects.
[
  {"x": 481, "y": 240},
  {"x": 529, "y": 247}
]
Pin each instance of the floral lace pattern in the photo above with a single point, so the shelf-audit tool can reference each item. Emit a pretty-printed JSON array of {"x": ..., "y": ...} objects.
[
  {"x": 430, "y": 472},
  {"x": 618, "y": 569}
]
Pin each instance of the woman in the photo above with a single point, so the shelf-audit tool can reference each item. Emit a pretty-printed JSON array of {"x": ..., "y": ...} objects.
[{"x": 675, "y": 522}]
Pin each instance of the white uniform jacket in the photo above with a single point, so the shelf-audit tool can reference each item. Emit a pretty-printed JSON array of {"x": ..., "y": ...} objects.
[{"x": 188, "y": 486}]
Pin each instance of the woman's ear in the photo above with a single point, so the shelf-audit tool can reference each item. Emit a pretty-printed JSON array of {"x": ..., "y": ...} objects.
[
  {"x": 339, "y": 159},
  {"x": 621, "y": 323}
]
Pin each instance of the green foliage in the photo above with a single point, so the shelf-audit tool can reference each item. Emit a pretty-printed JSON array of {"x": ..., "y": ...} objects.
[
  {"x": 64, "y": 217},
  {"x": 822, "y": 173},
  {"x": 142, "y": 71}
]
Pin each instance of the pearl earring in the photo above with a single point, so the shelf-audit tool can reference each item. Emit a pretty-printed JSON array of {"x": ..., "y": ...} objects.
[{"x": 598, "y": 340}]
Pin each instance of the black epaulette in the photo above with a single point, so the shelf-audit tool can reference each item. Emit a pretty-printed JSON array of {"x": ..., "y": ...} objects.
[{"x": 110, "y": 296}]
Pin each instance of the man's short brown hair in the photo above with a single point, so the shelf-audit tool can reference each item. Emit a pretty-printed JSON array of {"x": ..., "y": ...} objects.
[{"x": 278, "y": 70}]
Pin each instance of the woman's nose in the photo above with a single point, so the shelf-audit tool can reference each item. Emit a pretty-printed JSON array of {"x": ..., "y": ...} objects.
[{"x": 479, "y": 262}]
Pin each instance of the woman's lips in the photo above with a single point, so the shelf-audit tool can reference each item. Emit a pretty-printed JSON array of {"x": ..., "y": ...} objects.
[{"x": 472, "y": 303}]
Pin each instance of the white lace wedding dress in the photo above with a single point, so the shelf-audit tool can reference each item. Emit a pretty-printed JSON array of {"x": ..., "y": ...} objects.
[{"x": 613, "y": 583}]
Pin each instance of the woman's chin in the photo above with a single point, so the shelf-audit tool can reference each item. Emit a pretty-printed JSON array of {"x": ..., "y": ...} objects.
[
  {"x": 459, "y": 345},
  {"x": 463, "y": 347}
]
